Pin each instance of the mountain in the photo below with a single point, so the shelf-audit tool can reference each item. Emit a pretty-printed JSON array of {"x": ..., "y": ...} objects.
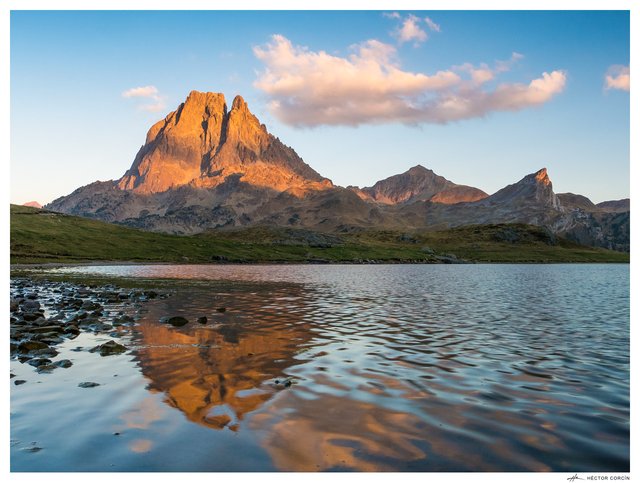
[
  {"x": 617, "y": 206},
  {"x": 32, "y": 204},
  {"x": 418, "y": 184},
  {"x": 205, "y": 166},
  {"x": 203, "y": 144}
]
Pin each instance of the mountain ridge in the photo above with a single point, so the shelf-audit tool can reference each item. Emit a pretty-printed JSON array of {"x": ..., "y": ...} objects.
[{"x": 204, "y": 167}]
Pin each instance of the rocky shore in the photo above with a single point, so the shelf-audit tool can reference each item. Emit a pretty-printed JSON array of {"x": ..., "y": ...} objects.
[{"x": 43, "y": 314}]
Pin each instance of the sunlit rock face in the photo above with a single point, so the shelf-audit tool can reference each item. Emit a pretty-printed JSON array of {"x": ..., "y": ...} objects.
[{"x": 203, "y": 143}]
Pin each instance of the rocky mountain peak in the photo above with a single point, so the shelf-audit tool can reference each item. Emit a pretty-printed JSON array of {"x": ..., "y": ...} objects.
[
  {"x": 419, "y": 184},
  {"x": 535, "y": 189},
  {"x": 202, "y": 143}
]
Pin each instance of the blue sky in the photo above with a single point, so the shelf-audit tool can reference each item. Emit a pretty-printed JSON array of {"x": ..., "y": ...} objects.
[{"x": 71, "y": 124}]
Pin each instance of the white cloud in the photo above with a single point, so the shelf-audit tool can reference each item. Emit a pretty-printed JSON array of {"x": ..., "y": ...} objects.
[
  {"x": 432, "y": 25},
  {"x": 156, "y": 101},
  {"x": 410, "y": 30},
  {"x": 146, "y": 91},
  {"x": 618, "y": 77},
  {"x": 391, "y": 14},
  {"x": 310, "y": 88}
]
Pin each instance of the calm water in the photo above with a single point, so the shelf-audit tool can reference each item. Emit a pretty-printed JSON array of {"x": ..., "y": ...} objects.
[{"x": 414, "y": 367}]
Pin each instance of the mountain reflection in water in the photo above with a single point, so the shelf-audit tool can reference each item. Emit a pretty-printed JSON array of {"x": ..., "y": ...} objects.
[
  {"x": 393, "y": 368},
  {"x": 216, "y": 373}
]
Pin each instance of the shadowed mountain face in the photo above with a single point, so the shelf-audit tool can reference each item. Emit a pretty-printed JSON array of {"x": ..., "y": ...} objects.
[
  {"x": 205, "y": 166},
  {"x": 419, "y": 184}
]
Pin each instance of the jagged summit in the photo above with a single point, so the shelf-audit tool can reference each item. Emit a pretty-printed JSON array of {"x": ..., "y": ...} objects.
[
  {"x": 202, "y": 143},
  {"x": 535, "y": 189}
]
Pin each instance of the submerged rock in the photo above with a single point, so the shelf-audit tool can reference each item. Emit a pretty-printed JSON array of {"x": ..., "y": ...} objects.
[
  {"x": 202, "y": 320},
  {"x": 109, "y": 348},
  {"x": 176, "y": 321},
  {"x": 88, "y": 384}
]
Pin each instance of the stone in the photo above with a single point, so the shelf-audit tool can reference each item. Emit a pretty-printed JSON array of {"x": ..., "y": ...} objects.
[
  {"x": 88, "y": 384},
  {"x": 64, "y": 363},
  {"x": 202, "y": 320},
  {"x": 31, "y": 306},
  {"x": 39, "y": 362},
  {"x": 109, "y": 348},
  {"x": 17, "y": 382},
  {"x": 177, "y": 321},
  {"x": 31, "y": 345}
]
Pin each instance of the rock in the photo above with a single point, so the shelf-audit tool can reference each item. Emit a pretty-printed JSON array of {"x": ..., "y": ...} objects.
[
  {"x": 46, "y": 368},
  {"x": 13, "y": 305},
  {"x": 177, "y": 321},
  {"x": 109, "y": 348},
  {"x": 88, "y": 384},
  {"x": 64, "y": 363},
  {"x": 31, "y": 345},
  {"x": 202, "y": 320},
  {"x": 71, "y": 329},
  {"x": 39, "y": 362},
  {"x": 47, "y": 328},
  {"x": 49, "y": 352},
  {"x": 221, "y": 309},
  {"x": 123, "y": 319},
  {"x": 52, "y": 340},
  {"x": 31, "y": 306},
  {"x": 32, "y": 316},
  {"x": 11, "y": 375},
  {"x": 89, "y": 305},
  {"x": 17, "y": 382}
]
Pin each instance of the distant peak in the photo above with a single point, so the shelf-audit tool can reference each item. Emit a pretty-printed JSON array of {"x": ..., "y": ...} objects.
[{"x": 33, "y": 204}]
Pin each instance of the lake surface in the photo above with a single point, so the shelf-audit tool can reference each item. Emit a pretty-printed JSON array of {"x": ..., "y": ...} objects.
[{"x": 391, "y": 368}]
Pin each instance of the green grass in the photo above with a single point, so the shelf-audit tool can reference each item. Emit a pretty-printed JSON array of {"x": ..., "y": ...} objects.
[{"x": 38, "y": 236}]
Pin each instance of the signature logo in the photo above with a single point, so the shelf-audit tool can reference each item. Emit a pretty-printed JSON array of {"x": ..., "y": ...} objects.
[{"x": 574, "y": 478}]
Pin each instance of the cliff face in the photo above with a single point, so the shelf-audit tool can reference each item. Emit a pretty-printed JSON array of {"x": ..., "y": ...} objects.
[{"x": 202, "y": 143}]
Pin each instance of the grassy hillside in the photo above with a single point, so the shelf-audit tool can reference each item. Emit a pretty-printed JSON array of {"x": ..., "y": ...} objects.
[{"x": 39, "y": 236}]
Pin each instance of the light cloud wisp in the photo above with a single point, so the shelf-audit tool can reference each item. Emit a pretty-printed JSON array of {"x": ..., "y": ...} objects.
[
  {"x": 618, "y": 77},
  {"x": 308, "y": 88},
  {"x": 155, "y": 103}
]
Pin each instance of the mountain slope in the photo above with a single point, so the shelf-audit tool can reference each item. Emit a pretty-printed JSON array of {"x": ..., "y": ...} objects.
[
  {"x": 418, "y": 184},
  {"x": 39, "y": 236}
]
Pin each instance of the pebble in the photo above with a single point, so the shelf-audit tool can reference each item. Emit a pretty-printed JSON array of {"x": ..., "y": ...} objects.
[
  {"x": 177, "y": 321},
  {"x": 88, "y": 384}
]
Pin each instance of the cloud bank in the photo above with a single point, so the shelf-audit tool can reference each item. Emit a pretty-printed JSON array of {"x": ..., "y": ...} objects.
[
  {"x": 308, "y": 88},
  {"x": 618, "y": 77},
  {"x": 155, "y": 103}
]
